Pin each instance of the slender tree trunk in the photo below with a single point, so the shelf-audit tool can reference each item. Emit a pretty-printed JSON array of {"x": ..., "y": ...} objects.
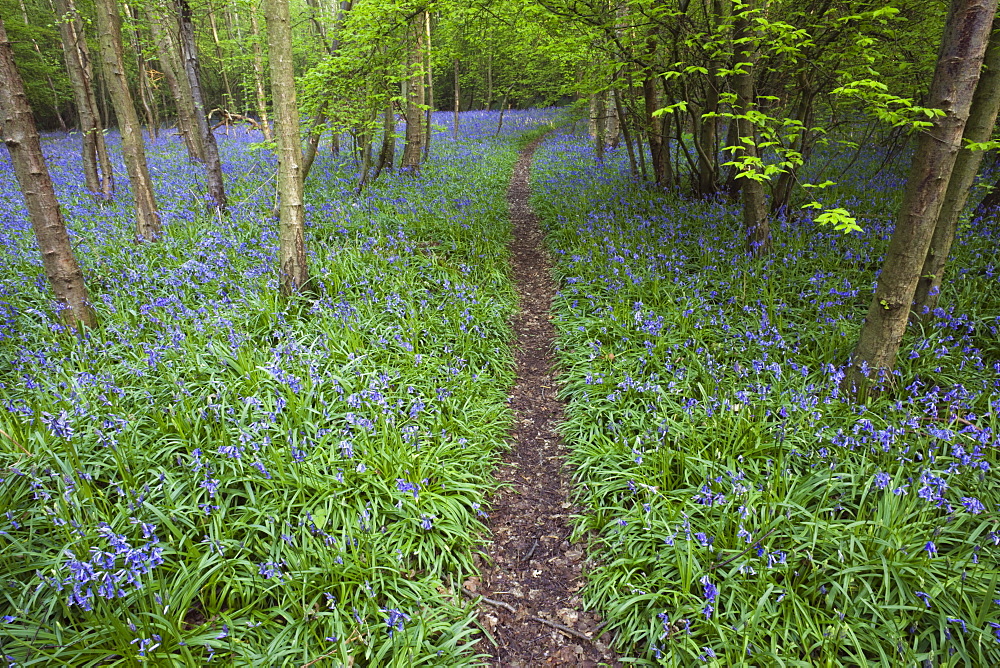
[
  {"x": 659, "y": 144},
  {"x": 258, "y": 77},
  {"x": 97, "y": 173},
  {"x": 708, "y": 162},
  {"x": 960, "y": 60},
  {"x": 387, "y": 154},
  {"x": 756, "y": 223},
  {"x": 598, "y": 111},
  {"x": 978, "y": 129},
  {"x": 17, "y": 126},
  {"x": 192, "y": 69},
  {"x": 48, "y": 79},
  {"x": 312, "y": 143},
  {"x": 489, "y": 82},
  {"x": 458, "y": 104},
  {"x": 430, "y": 87},
  {"x": 147, "y": 217},
  {"x": 626, "y": 134},
  {"x": 222, "y": 62},
  {"x": 413, "y": 150},
  {"x": 293, "y": 270},
  {"x": 145, "y": 95},
  {"x": 176, "y": 78},
  {"x": 783, "y": 188}
]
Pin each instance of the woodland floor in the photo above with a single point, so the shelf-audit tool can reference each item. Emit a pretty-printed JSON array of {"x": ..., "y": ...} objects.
[{"x": 533, "y": 583}]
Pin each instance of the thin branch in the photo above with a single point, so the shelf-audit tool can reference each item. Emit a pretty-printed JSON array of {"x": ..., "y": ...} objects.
[
  {"x": 564, "y": 629},
  {"x": 499, "y": 604}
]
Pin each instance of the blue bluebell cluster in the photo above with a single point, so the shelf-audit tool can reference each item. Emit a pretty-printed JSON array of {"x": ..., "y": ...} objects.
[
  {"x": 176, "y": 482},
  {"x": 716, "y": 452}
]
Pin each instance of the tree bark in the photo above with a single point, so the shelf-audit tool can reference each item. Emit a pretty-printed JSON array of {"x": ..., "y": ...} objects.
[
  {"x": 145, "y": 95},
  {"x": 413, "y": 150},
  {"x": 312, "y": 143},
  {"x": 293, "y": 271},
  {"x": 147, "y": 217},
  {"x": 598, "y": 123},
  {"x": 387, "y": 154},
  {"x": 17, "y": 126},
  {"x": 192, "y": 69},
  {"x": 176, "y": 78},
  {"x": 258, "y": 77},
  {"x": 430, "y": 87},
  {"x": 756, "y": 223},
  {"x": 978, "y": 129},
  {"x": 97, "y": 173},
  {"x": 960, "y": 60},
  {"x": 458, "y": 104},
  {"x": 659, "y": 144},
  {"x": 623, "y": 124}
]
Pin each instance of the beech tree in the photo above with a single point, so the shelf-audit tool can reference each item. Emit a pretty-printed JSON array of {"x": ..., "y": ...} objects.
[
  {"x": 978, "y": 130},
  {"x": 960, "y": 60},
  {"x": 17, "y": 126},
  {"x": 192, "y": 70},
  {"x": 293, "y": 272},
  {"x": 97, "y": 173},
  {"x": 415, "y": 95},
  {"x": 147, "y": 216}
]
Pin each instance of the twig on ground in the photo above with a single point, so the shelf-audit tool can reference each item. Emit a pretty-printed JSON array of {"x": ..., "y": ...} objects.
[
  {"x": 530, "y": 552},
  {"x": 564, "y": 629},
  {"x": 500, "y": 604}
]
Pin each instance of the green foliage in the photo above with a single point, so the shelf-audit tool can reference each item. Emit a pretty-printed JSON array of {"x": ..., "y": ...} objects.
[{"x": 739, "y": 513}]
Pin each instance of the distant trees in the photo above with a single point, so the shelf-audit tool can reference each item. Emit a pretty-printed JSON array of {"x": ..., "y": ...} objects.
[{"x": 17, "y": 126}]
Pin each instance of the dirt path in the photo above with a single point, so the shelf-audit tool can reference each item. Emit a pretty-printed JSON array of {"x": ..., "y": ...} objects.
[{"x": 536, "y": 573}]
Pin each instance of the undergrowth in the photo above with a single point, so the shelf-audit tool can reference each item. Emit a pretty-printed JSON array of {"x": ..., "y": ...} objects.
[
  {"x": 216, "y": 474},
  {"x": 742, "y": 512}
]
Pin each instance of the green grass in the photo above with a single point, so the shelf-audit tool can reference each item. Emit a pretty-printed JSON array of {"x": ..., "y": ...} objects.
[
  {"x": 717, "y": 462},
  {"x": 220, "y": 475}
]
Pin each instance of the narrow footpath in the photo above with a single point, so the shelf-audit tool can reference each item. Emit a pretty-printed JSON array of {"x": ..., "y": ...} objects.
[{"x": 532, "y": 604}]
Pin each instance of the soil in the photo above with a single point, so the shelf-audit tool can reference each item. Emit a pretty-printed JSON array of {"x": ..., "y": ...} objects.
[{"x": 533, "y": 583}]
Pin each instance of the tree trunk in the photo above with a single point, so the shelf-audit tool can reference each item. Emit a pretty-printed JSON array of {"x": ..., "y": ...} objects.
[
  {"x": 145, "y": 95},
  {"x": 97, "y": 173},
  {"x": 312, "y": 143},
  {"x": 755, "y": 217},
  {"x": 17, "y": 126},
  {"x": 413, "y": 150},
  {"x": 708, "y": 163},
  {"x": 387, "y": 154},
  {"x": 192, "y": 69},
  {"x": 293, "y": 272},
  {"x": 222, "y": 61},
  {"x": 258, "y": 77},
  {"x": 489, "y": 82},
  {"x": 598, "y": 111},
  {"x": 960, "y": 60},
  {"x": 176, "y": 78},
  {"x": 109, "y": 25},
  {"x": 978, "y": 129},
  {"x": 804, "y": 111},
  {"x": 430, "y": 88},
  {"x": 659, "y": 145},
  {"x": 623, "y": 124},
  {"x": 458, "y": 104}
]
